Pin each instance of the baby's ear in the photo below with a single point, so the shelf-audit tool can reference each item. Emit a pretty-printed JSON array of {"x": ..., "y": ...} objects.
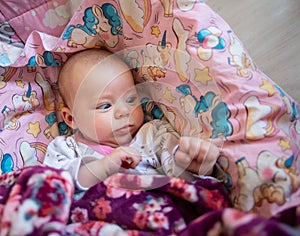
[{"x": 68, "y": 117}]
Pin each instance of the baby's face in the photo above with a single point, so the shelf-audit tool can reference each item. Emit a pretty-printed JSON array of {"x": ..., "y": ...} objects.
[{"x": 106, "y": 106}]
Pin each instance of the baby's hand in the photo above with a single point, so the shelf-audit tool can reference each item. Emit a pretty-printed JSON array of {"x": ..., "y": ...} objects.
[
  {"x": 92, "y": 172},
  {"x": 126, "y": 157},
  {"x": 197, "y": 155}
]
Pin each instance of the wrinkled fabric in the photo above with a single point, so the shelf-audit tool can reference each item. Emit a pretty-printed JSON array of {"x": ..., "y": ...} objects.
[
  {"x": 187, "y": 60},
  {"x": 40, "y": 201}
]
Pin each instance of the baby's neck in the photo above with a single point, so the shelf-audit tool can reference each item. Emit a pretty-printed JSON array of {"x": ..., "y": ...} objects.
[{"x": 97, "y": 147}]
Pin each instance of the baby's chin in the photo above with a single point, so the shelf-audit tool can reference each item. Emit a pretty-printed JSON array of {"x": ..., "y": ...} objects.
[
  {"x": 123, "y": 142},
  {"x": 119, "y": 141}
]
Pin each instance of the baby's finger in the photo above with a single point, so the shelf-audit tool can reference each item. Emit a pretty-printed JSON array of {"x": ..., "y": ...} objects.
[
  {"x": 131, "y": 158},
  {"x": 199, "y": 149},
  {"x": 200, "y": 168},
  {"x": 128, "y": 163},
  {"x": 182, "y": 158},
  {"x": 135, "y": 160},
  {"x": 190, "y": 145}
]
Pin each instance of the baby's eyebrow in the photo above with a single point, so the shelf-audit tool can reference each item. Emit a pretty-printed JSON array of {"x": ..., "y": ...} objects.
[
  {"x": 102, "y": 99},
  {"x": 131, "y": 93},
  {"x": 103, "y": 95}
]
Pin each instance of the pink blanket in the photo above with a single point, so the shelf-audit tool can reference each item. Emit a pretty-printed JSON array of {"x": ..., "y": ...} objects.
[{"x": 187, "y": 60}]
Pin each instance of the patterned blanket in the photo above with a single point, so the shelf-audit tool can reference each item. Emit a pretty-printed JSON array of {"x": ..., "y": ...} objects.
[
  {"x": 41, "y": 201},
  {"x": 187, "y": 60}
]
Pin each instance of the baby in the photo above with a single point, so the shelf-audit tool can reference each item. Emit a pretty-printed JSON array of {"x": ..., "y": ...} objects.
[{"x": 103, "y": 107}]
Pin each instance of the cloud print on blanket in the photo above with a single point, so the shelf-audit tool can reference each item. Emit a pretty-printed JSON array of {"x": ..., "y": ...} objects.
[{"x": 196, "y": 70}]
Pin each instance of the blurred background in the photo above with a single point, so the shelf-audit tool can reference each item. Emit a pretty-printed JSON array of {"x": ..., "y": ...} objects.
[{"x": 270, "y": 31}]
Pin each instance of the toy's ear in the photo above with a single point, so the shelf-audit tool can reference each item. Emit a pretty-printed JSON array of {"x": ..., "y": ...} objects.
[
  {"x": 97, "y": 11},
  {"x": 68, "y": 117}
]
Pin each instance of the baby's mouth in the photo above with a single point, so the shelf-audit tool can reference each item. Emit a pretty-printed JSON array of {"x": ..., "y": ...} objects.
[{"x": 124, "y": 130}]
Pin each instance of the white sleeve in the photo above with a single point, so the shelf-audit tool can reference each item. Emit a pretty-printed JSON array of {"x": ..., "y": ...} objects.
[
  {"x": 166, "y": 144},
  {"x": 65, "y": 153}
]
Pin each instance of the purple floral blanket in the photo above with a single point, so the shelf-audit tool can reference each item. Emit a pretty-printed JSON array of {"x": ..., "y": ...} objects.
[{"x": 41, "y": 201}]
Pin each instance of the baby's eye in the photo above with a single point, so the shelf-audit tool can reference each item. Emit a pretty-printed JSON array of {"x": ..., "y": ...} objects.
[
  {"x": 131, "y": 99},
  {"x": 104, "y": 106}
]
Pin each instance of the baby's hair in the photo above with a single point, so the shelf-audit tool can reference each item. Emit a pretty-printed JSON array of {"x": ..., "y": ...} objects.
[{"x": 79, "y": 59}]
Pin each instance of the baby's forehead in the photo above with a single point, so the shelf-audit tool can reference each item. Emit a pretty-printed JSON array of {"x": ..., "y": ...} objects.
[
  {"x": 77, "y": 71},
  {"x": 86, "y": 59},
  {"x": 94, "y": 69}
]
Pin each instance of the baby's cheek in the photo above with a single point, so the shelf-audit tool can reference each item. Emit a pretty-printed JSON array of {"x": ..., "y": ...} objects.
[
  {"x": 138, "y": 115},
  {"x": 89, "y": 127}
]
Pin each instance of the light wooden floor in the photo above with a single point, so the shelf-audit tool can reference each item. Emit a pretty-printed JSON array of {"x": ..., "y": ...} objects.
[{"x": 270, "y": 31}]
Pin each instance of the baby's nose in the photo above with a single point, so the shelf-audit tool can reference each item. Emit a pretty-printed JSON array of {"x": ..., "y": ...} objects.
[{"x": 122, "y": 110}]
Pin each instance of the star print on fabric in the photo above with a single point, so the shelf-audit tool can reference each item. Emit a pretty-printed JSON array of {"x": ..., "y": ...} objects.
[
  {"x": 155, "y": 30},
  {"x": 202, "y": 76},
  {"x": 285, "y": 144},
  {"x": 168, "y": 95},
  {"x": 34, "y": 128},
  {"x": 268, "y": 86},
  {"x": 60, "y": 106},
  {"x": 60, "y": 49},
  {"x": 20, "y": 83}
]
